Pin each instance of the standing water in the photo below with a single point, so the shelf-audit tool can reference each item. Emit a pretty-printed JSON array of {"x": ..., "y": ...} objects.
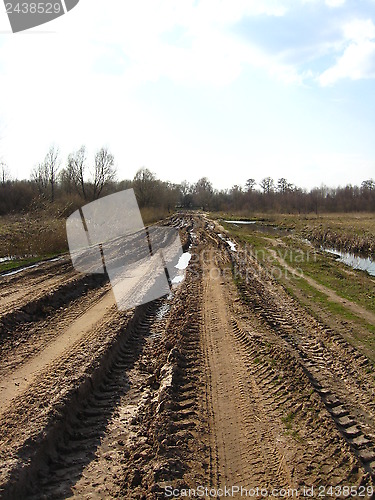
[{"x": 354, "y": 261}]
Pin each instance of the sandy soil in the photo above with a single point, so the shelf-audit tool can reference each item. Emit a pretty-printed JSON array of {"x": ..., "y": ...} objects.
[{"x": 220, "y": 383}]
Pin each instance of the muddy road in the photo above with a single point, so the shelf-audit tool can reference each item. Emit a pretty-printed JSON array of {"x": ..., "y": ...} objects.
[{"x": 226, "y": 381}]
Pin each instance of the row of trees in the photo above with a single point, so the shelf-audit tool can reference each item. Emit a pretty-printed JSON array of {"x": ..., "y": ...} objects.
[
  {"x": 75, "y": 177},
  {"x": 280, "y": 196},
  {"x": 76, "y": 183}
]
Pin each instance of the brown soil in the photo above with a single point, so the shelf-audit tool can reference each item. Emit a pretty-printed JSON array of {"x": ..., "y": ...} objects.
[{"x": 223, "y": 383}]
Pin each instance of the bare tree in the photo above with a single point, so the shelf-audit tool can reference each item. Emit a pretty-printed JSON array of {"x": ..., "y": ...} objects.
[
  {"x": 203, "y": 192},
  {"x": 104, "y": 171},
  {"x": 4, "y": 173},
  {"x": 45, "y": 174},
  {"x": 267, "y": 185},
  {"x": 250, "y": 184},
  {"x": 283, "y": 186},
  {"x": 52, "y": 165},
  {"x": 186, "y": 194},
  {"x": 76, "y": 170},
  {"x": 40, "y": 176},
  {"x": 236, "y": 194},
  {"x": 368, "y": 185},
  {"x": 144, "y": 183},
  {"x": 235, "y": 189},
  {"x": 185, "y": 188}
]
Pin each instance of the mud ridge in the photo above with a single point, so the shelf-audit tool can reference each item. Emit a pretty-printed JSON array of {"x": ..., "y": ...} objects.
[
  {"x": 42, "y": 307},
  {"x": 315, "y": 356},
  {"x": 79, "y": 424}
]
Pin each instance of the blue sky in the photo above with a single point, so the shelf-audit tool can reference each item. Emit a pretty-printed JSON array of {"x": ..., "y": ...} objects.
[{"x": 229, "y": 89}]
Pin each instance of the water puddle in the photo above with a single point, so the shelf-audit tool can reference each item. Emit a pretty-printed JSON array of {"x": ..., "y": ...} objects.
[
  {"x": 353, "y": 260},
  {"x": 183, "y": 261},
  {"x": 7, "y": 259},
  {"x": 162, "y": 311},
  {"x": 181, "y": 265},
  {"x": 241, "y": 221},
  {"x": 177, "y": 279},
  {"x": 20, "y": 269},
  {"x": 231, "y": 244},
  {"x": 260, "y": 226}
]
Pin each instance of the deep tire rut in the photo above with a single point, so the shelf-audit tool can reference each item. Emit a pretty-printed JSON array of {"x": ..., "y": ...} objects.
[
  {"x": 247, "y": 452},
  {"x": 332, "y": 385},
  {"x": 225, "y": 382},
  {"x": 340, "y": 375},
  {"x": 71, "y": 445}
]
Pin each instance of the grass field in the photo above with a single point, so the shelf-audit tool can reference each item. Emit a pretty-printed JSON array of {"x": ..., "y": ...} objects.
[
  {"x": 311, "y": 275},
  {"x": 29, "y": 238},
  {"x": 346, "y": 231},
  {"x": 323, "y": 267}
]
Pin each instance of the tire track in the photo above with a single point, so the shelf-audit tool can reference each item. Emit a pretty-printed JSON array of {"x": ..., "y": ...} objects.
[
  {"x": 20, "y": 378},
  {"x": 330, "y": 379},
  {"x": 46, "y": 275},
  {"x": 286, "y": 394},
  {"x": 335, "y": 369},
  {"x": 246, "y": 450},
  {"x": 79, "y": 443},
  {"x": 204, "y": 387},
  {"x": 71, "y": 444},
  {"x": 41, "y": 305}
]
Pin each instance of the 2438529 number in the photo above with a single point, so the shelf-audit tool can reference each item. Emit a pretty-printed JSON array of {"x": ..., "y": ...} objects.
[
  {"x": 33, "y": 8},
  {"x": 345, "y": 491}
]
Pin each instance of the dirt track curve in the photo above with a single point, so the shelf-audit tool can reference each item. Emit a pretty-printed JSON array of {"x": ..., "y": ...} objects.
[{"x": 225, "y": 382}]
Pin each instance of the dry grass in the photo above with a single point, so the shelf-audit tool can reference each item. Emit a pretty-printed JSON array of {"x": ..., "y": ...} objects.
[
  {"x": 32, "y": 235},
  {"x": 44, "y": 233},
  {"x": 151, "y": 214},
  {"x": 353, "y": 232}
]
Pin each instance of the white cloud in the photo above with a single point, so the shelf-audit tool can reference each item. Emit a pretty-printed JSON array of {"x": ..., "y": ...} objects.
[
  {"x": 359, "y": 30},
  {"x": 79, "y": 85},
  {"x": 358, "y": 59},
  {"x": 135, "y": 34},
  {"x": 335, "y": 3},
  {"x": 357, "y": 62},
  {"x": 210, "y": 54}
]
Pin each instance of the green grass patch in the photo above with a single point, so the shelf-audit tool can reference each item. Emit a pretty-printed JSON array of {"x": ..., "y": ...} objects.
[
  {"x": 356, "y": 286},
  {"x": 12, "y": 265},
  {"x": 313, "y": 296},
  {"x": 288, "y": 420},
  {"x": 353, "y": 285},
  {"x": 259, "y": 244}
]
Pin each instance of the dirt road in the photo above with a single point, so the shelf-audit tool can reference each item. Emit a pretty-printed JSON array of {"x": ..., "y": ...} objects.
[
  {"x": 225, "y": 382},
  {"x": 249, "y": 447}
]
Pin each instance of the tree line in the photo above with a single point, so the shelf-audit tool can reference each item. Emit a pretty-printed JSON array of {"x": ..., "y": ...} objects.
[{"x": 71, "y": 184}]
